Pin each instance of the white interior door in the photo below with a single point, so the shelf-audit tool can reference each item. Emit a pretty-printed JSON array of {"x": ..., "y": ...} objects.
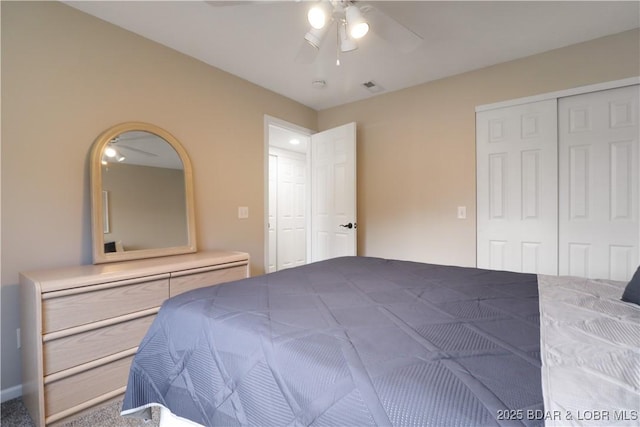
[
  {"x": 272, "y": 222},
  {"x": 291, "y": 209},
  {"x": 599, "y": 227},
  {"x": 333, "y": 193},
  {"x": 517, "y": 196}
]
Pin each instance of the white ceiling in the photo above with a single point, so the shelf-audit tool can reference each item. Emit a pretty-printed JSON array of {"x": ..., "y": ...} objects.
[
  {"x": 259, "y": 41},
  {"x": 282, "y": 138}
]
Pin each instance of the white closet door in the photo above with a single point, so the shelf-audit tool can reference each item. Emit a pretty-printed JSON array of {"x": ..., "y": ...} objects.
[
  {"x": 517, "y": 178},
  {"x": 599, "y": 229},
  {"x": 291, "y": 218},
  {"x": 273, "y": 222}
]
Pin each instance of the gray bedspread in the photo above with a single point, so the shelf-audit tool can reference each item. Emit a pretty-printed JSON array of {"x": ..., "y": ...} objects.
[{"x": 351, "y": 341}]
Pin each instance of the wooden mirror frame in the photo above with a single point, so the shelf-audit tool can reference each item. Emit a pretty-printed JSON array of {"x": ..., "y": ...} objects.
[{"x": 97, "y": 221}]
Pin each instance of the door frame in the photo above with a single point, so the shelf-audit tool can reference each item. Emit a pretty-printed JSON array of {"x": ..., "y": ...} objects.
[
  {"x": 561, "y": 93},
  {"x": 274, "y": 121}
]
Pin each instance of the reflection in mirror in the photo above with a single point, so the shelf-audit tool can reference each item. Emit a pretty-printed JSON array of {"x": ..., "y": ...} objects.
[
  {"x": 155, "y": 203},
  {"x": 142, "y": 196}
]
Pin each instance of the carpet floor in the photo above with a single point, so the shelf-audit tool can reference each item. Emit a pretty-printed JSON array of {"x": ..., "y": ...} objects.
[{"x": 14, "y": 414}]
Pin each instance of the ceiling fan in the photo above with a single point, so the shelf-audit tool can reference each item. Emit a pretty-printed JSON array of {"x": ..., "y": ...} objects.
[{"x": 352, "y": 19}]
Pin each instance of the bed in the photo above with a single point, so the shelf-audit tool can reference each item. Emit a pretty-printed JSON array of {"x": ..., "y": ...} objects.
[{"x": 359, "y": 341}]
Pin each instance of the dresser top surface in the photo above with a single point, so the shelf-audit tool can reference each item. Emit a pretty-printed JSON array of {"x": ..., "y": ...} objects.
[{"x": 83, "y": 275}]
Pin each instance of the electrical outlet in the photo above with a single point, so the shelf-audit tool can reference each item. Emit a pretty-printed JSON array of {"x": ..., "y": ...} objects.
[
  {"x": 18, "y": 341},
  {"x": 462, "y": 212}
]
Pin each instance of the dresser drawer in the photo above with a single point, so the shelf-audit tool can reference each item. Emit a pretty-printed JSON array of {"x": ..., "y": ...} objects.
[
  {"x": 71, "y": 391},
  {"x": 66, "y": 311},
  {"x": 187, "y": 282},
  {"x": 76, "y": 349}
]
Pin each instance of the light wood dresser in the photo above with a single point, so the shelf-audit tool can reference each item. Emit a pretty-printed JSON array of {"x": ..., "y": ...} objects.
[{"x": 81, "y": 326}]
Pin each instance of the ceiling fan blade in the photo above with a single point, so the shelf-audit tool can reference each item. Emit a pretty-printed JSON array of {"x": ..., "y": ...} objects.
[
  {"x": 306, "y": 54},
  {"x": 391, "y": 30},
  {"x": 146, "y": 153},
  {"x": 223, "y": 3}
]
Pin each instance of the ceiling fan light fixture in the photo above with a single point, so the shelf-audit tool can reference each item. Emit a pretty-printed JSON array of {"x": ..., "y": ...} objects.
[
  {"x": 358, "y": 27},
  {"x": 315, "y": 36},
  {"x": 318, "y": 15},
  {"x": 110, "y": 152},
  {"x": 347, "y": 44}
]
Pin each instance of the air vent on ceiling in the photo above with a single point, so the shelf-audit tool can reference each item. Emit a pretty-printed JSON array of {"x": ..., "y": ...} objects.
[{"x": 372, "y": 86}]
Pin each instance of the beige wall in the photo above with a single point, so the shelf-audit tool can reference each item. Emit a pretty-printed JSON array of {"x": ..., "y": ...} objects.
[
  {"x": 66, "y": 77},
  {"x": 416, "y": 147}
]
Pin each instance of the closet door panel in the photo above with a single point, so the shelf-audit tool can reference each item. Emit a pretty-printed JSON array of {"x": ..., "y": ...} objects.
[
  {"x": 599, "y": 184},
  {"x": 517, "y": 188}
]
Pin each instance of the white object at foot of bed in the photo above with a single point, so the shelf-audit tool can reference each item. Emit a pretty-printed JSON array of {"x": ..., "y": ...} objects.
[
  {"x": 590, "y": 351},
  {"x": 168, "y": 419}
]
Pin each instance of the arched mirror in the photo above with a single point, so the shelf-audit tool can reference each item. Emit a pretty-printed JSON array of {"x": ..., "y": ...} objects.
[{"x": 141, "y": 194}]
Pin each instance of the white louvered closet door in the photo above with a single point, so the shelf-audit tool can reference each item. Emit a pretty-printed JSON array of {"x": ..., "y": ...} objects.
[
  {"x": 517, "y": 188},
  {"x": 599, "y": 184}
]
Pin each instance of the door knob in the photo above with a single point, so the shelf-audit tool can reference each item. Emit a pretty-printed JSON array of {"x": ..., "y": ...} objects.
[{"x": 349, "y": 226}]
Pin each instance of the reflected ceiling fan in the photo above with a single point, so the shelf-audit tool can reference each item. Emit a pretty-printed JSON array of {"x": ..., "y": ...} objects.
[
  {"x": 353, "y": 20},
  {"x": 115, "y": 148}
]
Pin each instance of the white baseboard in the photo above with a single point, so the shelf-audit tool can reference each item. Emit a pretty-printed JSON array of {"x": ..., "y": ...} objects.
[{"x": 10, "y": 393}]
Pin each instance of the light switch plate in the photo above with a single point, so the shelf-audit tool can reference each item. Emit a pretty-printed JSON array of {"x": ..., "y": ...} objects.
[
  {"x": 462, "y": 212},
  {"x": 243, "y": 212}
]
